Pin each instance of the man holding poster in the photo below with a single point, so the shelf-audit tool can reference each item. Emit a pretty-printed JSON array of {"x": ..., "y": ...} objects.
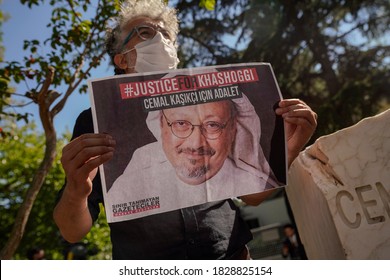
[{"x": 143, "y": 40}]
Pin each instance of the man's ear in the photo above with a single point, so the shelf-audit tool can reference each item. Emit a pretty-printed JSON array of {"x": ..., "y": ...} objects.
[{"x": 120, "y": 61}]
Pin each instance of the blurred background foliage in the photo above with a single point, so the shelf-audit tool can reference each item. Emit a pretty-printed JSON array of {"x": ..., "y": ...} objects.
[{"x": 335, "y": 55}]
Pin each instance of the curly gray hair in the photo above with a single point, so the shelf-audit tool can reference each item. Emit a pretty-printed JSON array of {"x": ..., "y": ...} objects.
[{"x": 131, "y": 9}]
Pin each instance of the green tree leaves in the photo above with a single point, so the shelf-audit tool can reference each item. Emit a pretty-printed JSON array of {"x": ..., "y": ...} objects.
[
  {"x": 53, "y": 71},
  {"x": 332, "y": 54},
  {"x": 20, "y": 155},
  {"x": 207, "y": 4}
]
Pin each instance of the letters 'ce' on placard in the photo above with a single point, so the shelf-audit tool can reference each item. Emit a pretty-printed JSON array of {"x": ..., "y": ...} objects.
[{"x": 339, "y": 190}]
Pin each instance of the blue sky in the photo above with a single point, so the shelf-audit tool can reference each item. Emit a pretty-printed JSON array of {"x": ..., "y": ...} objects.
[{"x": 25, "y": 23}]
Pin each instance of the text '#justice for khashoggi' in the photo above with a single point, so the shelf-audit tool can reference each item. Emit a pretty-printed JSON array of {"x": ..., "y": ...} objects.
[{"x": 187, "y": 83}]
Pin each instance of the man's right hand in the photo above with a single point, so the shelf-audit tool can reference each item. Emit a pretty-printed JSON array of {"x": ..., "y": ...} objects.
[{"x": 80, "y": 160}]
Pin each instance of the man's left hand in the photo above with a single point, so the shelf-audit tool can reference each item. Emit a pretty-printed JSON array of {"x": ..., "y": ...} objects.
[{"x": 300, "y": 124}]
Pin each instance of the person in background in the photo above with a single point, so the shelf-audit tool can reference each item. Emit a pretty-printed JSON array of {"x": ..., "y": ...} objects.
[
  {"x": 36, "y": 253},
  {"x": 144, "y": 39},
  {"x": 292, "y": 249}
]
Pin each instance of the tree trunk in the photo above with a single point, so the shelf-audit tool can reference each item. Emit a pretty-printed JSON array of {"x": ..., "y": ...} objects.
[
  {"x": 24, "y": 211},
  {"x": 44, "y": 98}
]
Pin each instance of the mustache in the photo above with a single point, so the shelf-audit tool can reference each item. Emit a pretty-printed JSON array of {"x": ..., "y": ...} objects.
[{"x": 199, "y": 151}]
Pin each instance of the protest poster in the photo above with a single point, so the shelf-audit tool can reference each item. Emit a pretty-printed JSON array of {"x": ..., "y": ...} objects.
[{"x": 188, "y": 136}]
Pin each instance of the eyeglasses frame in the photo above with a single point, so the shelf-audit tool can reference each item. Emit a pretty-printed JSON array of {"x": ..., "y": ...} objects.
[
  {"x": 135, "y": 29},
  {"x": 223, "y": 126}
]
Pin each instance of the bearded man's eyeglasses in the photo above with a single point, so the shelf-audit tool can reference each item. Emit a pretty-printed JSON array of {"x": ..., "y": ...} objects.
[{"x": 183, "y": 129}]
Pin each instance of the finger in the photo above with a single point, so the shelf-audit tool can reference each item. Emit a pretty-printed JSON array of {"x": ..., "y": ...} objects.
[
  {"x": 89, "y": 139},
  {"x": 299, "y": 121},
  {"x": 288, "y": 102},
  {"x": 82, "y": 149},
  {"x": 85, "y": 169},
  {"x": 79, "y": 175},
  {"x": 81, "y": 138},
  {"x": 87, "y": 154},
  {"x": 301, "y": 114},
  {"x": 291, "y": 107},
  {"x": 71, "y": 150}
]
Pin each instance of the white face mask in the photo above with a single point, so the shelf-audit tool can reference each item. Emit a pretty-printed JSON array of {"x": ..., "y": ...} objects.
[{"x": 155, "y": 55}]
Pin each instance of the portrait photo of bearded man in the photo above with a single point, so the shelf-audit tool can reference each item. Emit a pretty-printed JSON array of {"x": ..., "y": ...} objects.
[{"x": 204, "y": 152}]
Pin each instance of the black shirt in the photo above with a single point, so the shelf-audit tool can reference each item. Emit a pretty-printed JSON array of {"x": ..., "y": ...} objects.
[{"x": 209, "y": 231}]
